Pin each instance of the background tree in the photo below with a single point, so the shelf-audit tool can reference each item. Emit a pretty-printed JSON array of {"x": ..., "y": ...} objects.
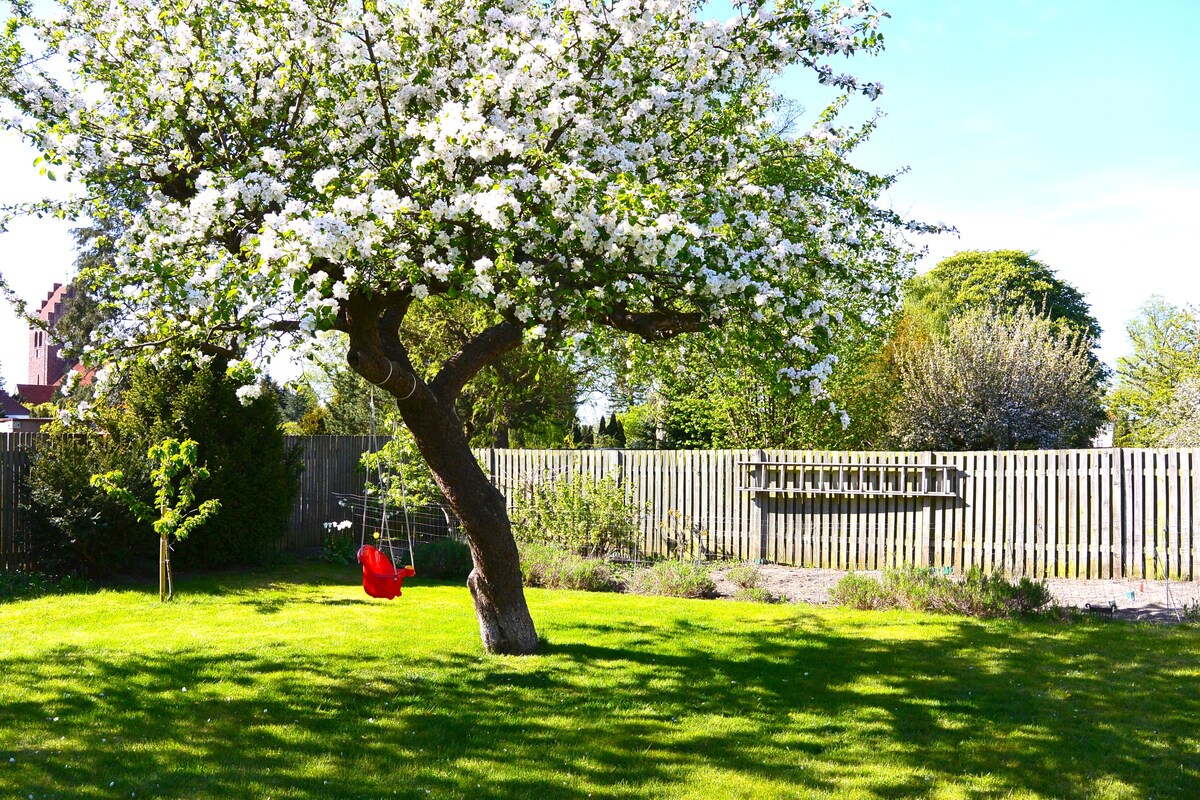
[
  {"x": 1179, "y": 423},
  {"x": 562, "y": 165},
  {"x": 711, "y": 392},
  {"x": 174, "y": 475},
  {"x": 982, "y": 279},
  {"x": 997, "y": 381},
  {"x": 1166, "y": 353},
  {"x": 525, "y": 398}
]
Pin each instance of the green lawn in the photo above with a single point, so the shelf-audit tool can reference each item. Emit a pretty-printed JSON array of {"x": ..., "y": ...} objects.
[{"x": 293, "y": 684}]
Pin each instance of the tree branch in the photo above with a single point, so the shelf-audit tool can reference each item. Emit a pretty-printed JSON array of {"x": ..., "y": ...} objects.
[
  {"x": 657, "y": 325},
  {"x": 476, "y": 354},
  {"x": 375, "y": 351}
]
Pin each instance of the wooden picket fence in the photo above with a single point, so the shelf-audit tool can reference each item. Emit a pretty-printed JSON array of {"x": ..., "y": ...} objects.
[
  {"x": 331, "y": 468},
  {"x": 1112, "y": 513}
]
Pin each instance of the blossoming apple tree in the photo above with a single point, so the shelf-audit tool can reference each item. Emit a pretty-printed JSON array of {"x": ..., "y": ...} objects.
[{"x": 282, "y": 168}]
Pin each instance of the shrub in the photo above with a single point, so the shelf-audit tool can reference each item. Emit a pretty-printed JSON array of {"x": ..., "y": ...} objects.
[
  {"x": 550, "y": 566},
  {"x": 17, "y": 585},
  {"x": 76, "y": 528},
  {"x": 443, "y": 558},
  {"x": 997, "y": 380},
  {"x": 744, "y": 576},
  {"x": 587, "y": 516},
  {"x": 977, "y": 594},
  {"x": 253, "y": 472},
  {"x": 755, "y": 594},
  {"x": 857, "y": 591},
  {"x": 673, "y": 579},
  {"x": 79, "y": 529}
]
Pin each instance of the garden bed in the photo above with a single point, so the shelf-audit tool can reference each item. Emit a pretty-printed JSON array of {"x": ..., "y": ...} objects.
[{"x": 1150, "y": 601}]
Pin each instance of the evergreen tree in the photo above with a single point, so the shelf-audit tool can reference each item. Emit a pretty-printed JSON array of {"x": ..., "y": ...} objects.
[{"x": 616, "y": 430}]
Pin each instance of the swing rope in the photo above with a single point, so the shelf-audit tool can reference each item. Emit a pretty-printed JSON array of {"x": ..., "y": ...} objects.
[{"x": 381, "y": 578}]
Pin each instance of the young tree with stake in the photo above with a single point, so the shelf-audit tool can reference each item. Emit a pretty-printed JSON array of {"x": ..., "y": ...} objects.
[
  {"x": 279, "y": 168},
  {"x": 174, "y": 476}
]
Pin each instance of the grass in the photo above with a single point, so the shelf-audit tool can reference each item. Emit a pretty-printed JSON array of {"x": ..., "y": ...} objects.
[{"x": 298, "y": 686}]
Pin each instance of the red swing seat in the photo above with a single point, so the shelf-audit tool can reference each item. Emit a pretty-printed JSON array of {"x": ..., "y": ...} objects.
[{"x": 380, "y": 578}]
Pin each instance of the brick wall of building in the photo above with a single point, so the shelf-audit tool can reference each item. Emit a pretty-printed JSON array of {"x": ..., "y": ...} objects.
[{"x": 46, "y": 364}]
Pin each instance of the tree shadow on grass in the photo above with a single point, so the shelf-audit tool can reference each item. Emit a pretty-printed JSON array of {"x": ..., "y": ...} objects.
[{"x": 626, "y": 708}]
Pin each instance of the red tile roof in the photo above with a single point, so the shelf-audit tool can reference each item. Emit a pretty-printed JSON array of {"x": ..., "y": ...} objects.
[
  {"x": 36, "y": 393},
  {"x": 10, "y": 407}
]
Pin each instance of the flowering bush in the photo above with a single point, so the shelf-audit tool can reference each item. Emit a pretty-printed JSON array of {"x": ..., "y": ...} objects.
[{"x": 999, "y": 381}]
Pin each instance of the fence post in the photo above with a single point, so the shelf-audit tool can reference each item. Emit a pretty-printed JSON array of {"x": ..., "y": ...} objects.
[
  {"x": 928, "y": 557},
  {"x": 760, "y": 520}
]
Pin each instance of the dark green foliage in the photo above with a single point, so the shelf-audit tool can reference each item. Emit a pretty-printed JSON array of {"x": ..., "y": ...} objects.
[
  {"x": 294, "y": 403},
  {"x": 253, "y": 474},
  {"x": 640, "y": 426},
  {"x": 443, "y": 558},
  {"x": 16, "y": 585},
  {"x": 616, "y": 431},
  {"x": 551, "y": 566},
  {"x": 349, "y": 412},
  {"x": 977, "y": 594},
  {"x": 77, "y": 528},
  {"x": 673, "y": 578}
]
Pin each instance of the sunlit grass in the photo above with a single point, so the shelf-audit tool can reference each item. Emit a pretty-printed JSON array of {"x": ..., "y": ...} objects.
[{"x": 293, "y": 684}]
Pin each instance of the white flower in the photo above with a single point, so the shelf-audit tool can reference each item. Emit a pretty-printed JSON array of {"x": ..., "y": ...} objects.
[
  {"x": 271, "y": 157},
  {"x": 490, "y": 205},
  {"x": 247, "y": 393},
  {"x": 323, "y": 178}
]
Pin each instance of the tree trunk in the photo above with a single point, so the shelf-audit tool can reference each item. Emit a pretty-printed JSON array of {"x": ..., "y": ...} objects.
[
  {"x": 428, "y": 410},
  {"x": 505, "y": 624}
]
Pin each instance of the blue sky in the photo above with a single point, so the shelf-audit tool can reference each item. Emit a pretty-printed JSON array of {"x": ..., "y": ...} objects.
[{"x": 1064, "y": 127}]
